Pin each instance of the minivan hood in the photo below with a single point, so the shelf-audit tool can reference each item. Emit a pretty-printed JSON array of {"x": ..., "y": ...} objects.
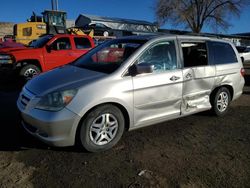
[{"x": 60, "y": 78}]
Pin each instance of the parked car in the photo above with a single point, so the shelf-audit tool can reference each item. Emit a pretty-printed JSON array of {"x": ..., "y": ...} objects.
[
  {"x": 99, "y": 29},
  {"x": 244, "y": 53},
  {"x": 45, "y": 53},
  {"x": 157, "y": 78}
]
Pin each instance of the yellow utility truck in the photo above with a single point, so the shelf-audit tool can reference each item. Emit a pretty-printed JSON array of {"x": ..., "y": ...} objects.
[
  {"x": 52, "y": 22},
  {"x": 26, "y": 32}
]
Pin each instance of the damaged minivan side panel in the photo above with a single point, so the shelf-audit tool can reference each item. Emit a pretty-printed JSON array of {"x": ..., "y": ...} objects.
[{"x": 198, "y": 77}]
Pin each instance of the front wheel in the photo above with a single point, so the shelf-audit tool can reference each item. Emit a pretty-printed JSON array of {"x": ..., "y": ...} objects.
[
  {"x": 220, "y": 101},
  {"x": 102, "y": 128},
  {"x": 29, "y": 71}
]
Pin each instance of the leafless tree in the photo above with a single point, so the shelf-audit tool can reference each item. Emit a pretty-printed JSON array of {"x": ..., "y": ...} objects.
[{"x": 194, "y": 14}]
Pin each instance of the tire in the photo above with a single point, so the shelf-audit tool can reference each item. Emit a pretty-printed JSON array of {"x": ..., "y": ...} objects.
[
  {"x": 220, "y": 101},
  {"x": 102, "y": 128},
  {"x": 27, "y": 72}
]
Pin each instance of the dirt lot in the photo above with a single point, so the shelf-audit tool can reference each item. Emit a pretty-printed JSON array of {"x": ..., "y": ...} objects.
[{"x": 196, "y": 151}]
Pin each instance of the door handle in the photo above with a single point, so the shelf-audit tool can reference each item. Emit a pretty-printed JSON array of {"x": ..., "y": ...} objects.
[
  {"x": 174, "y": 78},
  {"x": 189, "y": 76}
]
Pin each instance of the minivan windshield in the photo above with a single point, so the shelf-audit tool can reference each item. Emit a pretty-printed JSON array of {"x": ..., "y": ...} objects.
[
  {"x": 109, "y": 56},
  {"x": 40, "y": 42}
]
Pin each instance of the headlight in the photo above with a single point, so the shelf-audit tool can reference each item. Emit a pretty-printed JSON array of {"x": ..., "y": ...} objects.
[
  {"x": 56, "y": 101},
  {"x": 6, "y": 59}
]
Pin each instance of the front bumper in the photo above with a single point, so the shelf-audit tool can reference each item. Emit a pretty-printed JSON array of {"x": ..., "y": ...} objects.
[
  {"x": 7, "y": 66},
  {"x": 54, "y": 128}
]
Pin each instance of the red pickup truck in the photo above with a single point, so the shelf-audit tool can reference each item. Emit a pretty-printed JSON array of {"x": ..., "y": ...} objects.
[{"x": 45, "y": 53}]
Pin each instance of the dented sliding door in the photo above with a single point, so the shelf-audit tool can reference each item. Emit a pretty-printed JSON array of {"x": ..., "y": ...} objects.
[{"x": 198, "y": 77}]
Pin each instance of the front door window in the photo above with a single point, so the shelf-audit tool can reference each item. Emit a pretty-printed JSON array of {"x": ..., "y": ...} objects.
[{"x": 162, "y": 55}]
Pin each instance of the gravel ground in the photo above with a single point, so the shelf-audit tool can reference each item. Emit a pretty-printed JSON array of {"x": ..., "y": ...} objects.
[{"x": 195, "y": 151}]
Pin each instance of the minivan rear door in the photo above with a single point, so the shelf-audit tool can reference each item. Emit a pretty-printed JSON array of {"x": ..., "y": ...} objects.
[{"x": 198, "y": 76}]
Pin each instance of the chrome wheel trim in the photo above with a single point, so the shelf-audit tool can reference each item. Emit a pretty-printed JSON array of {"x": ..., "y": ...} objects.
[
  {"x": 103, "y": 129},
  {"x": 29, "y": 73},
  {"x": 222, "y": 101}
]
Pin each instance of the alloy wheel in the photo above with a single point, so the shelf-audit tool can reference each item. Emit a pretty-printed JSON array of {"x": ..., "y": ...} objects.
[
  {"x": 103, "y": 129},
  {"x": 222, "y": 101},
  {"x": 29, "y": 73}
]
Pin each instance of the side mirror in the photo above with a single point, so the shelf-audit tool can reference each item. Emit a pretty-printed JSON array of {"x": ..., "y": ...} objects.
[
  {"x": 144, "y": 68},
  {"x": 48, "y": 48},
  {"x": 141, "y": 69}
]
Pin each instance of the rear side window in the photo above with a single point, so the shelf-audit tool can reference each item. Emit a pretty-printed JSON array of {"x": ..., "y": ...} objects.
[
  {"x": 221, "y": 53},
  {"x": 82, "y": 43},
  {"x": 194, "y": 54}
]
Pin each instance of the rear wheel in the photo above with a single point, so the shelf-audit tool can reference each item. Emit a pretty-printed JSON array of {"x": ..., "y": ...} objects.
[
  {"x": 220, "y": 101},
  {"x": 102, "y": 128},
  {"x": 29, "y": 71}
]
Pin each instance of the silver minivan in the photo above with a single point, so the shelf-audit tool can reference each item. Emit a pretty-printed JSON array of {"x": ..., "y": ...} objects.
[{"x": 129, "y": 83}]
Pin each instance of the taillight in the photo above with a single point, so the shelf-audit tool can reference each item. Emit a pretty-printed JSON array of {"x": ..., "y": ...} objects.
[{"x": 242, "y": 72}]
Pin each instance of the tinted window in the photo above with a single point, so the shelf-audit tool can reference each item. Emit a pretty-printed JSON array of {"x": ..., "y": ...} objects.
[
  {"x": 82, "y": 43},
  {"x": 241, "y": 49},
  {"x": 61, "y": 44},
  {"x": 194, "y": 54},
  {"x": 221, "y": 53},
  {"x": 100, "y": 25}
]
